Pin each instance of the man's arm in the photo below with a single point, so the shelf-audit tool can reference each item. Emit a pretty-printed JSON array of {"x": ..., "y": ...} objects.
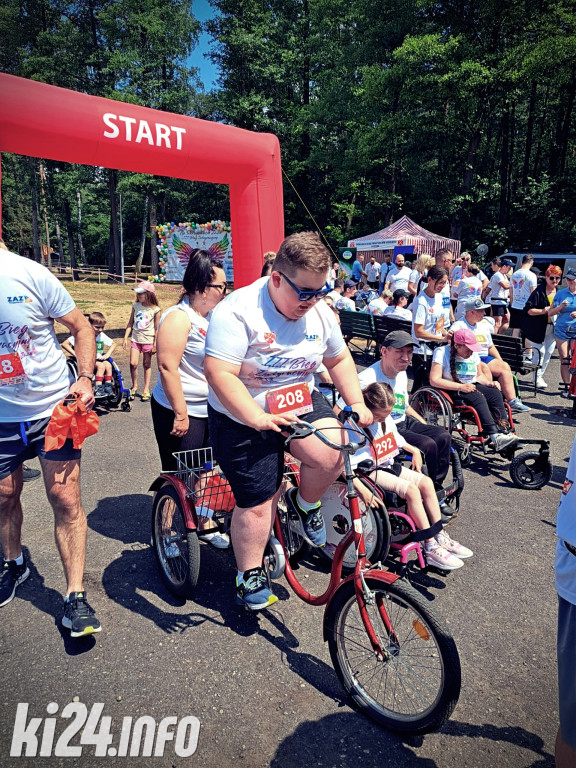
[{"x": 85, "y": 351}]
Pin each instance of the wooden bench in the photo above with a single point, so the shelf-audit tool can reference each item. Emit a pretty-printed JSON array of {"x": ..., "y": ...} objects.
[
  {"x": 513, "y": 352},
  {"x": 384, "y": 324},
  {"x": 357, "y": 325}
]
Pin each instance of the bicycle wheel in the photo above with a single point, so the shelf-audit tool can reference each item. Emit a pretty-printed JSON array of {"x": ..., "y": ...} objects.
[
  {"x": 414, "y": 686},
  {"x": 336, "y": 513},
  {"x": 177, "y": 549},
  {"x": 433, "y": 407},
  {"x": 530, "y": 471}
]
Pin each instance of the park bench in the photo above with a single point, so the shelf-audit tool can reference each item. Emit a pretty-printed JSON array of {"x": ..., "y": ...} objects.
[
  {"x": 513, "y": 352},
  {"x": 357, "y": 325}
]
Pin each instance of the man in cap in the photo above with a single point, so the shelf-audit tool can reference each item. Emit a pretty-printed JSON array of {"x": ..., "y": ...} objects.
[
  {"x": 433, "y": 442},
  {"x": 473, "y": 320},
  {"x": 346, "y": 301}
]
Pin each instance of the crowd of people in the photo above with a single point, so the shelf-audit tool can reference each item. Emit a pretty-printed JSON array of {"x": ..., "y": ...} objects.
[{"x": 226, "y": 370}]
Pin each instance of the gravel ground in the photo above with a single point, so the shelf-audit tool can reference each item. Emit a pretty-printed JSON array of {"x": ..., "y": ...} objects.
[{"x": 263, "y": 687}]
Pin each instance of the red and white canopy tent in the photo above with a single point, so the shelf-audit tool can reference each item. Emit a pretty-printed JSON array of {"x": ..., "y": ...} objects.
[{"x": 403, "y": 232}]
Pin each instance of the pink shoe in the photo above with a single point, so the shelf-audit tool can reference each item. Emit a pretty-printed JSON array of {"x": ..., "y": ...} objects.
[
  {"x": 440, "y": 558},
  {"x": 453, "y": 546}
]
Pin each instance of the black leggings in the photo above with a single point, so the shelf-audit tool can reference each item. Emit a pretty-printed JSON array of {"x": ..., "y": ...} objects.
[
  {"x": 434, "y": 442},
  {"x": 163, "y": 422},
  {"x": 489, "y": 404}
]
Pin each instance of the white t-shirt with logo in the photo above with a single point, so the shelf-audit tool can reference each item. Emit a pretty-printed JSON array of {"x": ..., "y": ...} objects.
[
  {"x": 191, "y": 366},
  {"x": 345, "y": 303},
  {"x": 377, "y": 307},
  {"x": 102, "y": 343},
  {"x": 523, "y": 282},
  {"x": 143, "y": 330},
  {"x": 482, "y": 331},
  {"x": 272, "y": 351},
  {"x": 468, "y": 288},
  {"x": 455, "y": 278},
  {"x": 565, "y": 564},
  {"x": 34, "y": 376},
  {"x": 433, "y": 313},
  {"x": 399, "y": 385},
  {"x": 377, "y": 431},
  {"x": 372, "y": 271},
  {"x": 498, "y": 294},
  {"x": 466, "y": 369},
  {"x": 398, "y": 278}
]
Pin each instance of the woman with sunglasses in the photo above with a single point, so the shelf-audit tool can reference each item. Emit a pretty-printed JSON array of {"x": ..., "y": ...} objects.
[
  {"x": 431, "y": 319},
  {"x": 180, "y": 397},
  {"x": 539, "y": 318},
  {"x": 564, "y": 305},
  {"x": 264, "y": 345}
]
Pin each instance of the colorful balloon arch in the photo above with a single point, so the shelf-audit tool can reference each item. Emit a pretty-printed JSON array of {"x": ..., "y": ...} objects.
[{"x": 45, "y": 121}]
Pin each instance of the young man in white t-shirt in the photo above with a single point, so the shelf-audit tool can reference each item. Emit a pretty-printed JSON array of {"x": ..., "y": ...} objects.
[
  {"x": 399, "y": 275},
  {"x": 346, "y": 301},
  {"x": 264, "y": 344},
  {"x": 522, "y": 283},
  {"x": 34, "y": 379}
]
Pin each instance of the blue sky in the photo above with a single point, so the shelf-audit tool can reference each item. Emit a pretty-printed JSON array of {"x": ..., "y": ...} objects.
[{"x": 208, "y": 72}]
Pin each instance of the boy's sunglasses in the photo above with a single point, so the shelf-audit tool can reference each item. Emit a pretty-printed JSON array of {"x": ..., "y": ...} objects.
[{"x": 307, "y": 295}]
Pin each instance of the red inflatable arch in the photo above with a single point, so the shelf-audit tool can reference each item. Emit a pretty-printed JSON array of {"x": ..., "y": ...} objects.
[{"x": 45, "y": 121}]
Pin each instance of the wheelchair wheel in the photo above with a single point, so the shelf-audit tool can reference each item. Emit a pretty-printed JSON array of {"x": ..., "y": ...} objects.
[
  {"x": 126, "y": 406},
  {"x": 177, "y": 549},
  {"x": 115, "y": 399},
  {"x": 464, "y": 451},
  {"x": 530, "y": 471},
  {"x": 433, "y": 407},
  {"x": 336, "y": 513}
]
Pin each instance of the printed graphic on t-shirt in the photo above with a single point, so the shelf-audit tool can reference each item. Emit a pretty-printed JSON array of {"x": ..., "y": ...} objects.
[
  {"x": 142, "y": 320},
  {"x": 399, "y": 409},
  {"x": 466, "y": 371}
]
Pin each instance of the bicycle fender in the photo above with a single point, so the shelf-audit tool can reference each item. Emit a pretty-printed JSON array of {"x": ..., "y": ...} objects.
[
  {"x": 384, "y": 576},
  {"x": 177, "y": 484}
]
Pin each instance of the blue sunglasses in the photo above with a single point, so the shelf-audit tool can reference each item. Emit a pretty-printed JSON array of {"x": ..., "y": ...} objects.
[{"x": 307, "y": 295}]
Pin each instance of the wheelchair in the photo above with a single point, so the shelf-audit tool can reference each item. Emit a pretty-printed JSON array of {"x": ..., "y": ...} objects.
[
  {"x": 530, "y": 469},
  {"x": 120, "y": 395},
  {"x": 388, "y": 533}
]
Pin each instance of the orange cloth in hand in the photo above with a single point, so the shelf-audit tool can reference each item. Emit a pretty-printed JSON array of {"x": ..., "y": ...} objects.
[{"x": 70, "y": 419}]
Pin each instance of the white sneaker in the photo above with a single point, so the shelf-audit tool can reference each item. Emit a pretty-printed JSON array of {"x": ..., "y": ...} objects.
[
  {"x": 453, "y": 546},
  {"x": 440, "y": 558},
  {"x": 540, "y": 383},
  {"x": 216, "y": 539},
  {"x": 500, "y": 441}
]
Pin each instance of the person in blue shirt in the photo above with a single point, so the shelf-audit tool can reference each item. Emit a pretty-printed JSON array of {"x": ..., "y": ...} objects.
[
  {"x": 564, "y": 305},
  {"x": 565, "y": 568},
  {"x": 358, "y": 269}
]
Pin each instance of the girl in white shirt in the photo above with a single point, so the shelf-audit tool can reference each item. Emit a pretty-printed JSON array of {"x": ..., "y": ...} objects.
[{"x": 410, "y": 484}]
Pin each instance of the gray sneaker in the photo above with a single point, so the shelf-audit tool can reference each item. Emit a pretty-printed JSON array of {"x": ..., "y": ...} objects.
[{"x": 501, "y": 441}]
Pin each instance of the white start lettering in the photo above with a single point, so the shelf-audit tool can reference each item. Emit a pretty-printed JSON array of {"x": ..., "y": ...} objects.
[{"x": 156, "y": 134}]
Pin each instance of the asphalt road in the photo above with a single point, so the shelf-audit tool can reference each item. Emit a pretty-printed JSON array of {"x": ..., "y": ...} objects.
[{"x": 262, "y": 686}]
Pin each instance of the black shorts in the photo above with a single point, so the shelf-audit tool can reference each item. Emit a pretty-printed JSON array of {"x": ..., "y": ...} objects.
[
  {"x": 20, "y": 441},
  {"x": 516, "y": 316},
  {"x": 252, "y": 461},
  {"x": 499, "y": 310},
  {"x": 163, "y": 423}
]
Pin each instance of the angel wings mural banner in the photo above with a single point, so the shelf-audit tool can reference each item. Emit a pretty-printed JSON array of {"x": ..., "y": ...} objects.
[{"x": 178, "y": 241}]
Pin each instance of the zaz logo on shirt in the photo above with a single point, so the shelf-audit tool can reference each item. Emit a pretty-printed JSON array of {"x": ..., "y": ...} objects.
[
  {"x": 312, "y": 337},
  {"x": 19, "y": 300}
]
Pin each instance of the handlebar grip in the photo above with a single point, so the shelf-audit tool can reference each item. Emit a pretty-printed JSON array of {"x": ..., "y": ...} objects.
[{"x": 347, "y": 413}]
